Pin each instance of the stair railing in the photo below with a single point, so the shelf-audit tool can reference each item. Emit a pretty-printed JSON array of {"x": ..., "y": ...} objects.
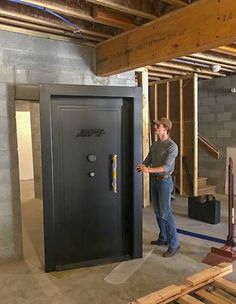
[{"x": 208, "y": 147}]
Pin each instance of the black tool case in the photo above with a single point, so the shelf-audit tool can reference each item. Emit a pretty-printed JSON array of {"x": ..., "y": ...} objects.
[{"x": 204, "y": 208}]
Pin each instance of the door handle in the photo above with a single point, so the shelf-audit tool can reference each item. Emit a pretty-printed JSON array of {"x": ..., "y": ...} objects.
[{"x": 114, "y": 173}]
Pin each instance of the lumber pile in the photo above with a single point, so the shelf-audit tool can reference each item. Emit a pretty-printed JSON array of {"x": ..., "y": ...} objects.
[{"x": 207, "y": 286}]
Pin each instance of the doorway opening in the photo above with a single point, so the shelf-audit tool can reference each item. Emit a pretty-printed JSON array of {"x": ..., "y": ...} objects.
[{"x": 30, "y": 174}]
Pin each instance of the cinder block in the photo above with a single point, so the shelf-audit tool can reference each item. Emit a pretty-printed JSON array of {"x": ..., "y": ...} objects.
[
  {"x": 8, "y": 125},
  {"x": 1, "y": 56},
  {"x": 130, "y": 83},
  {"x": 225, "y": 116},
  {"x": 117, "y": 82},
  {"x": 210, "y": 117},
  {"x": 8, "y": 142},
  {"x": 8, "y": 159},
  {"x": 9, "y": 192},
  {"x": 127, "y": 75},
  {"x": 203, "y": 92},
  {"x": 216, "y": 173},
  {"x": 226, "y": 99},
  {"x": 9, "y": 175},
  {"x": 7, "y": 74},
  {"x": 22, "y": 76},
  {"x": 224, "y": 133},
  {"x": 230, "y": 125}
]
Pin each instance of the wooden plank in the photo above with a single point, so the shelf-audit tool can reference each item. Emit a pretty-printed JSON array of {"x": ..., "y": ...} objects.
[
  {"x": 181, "y": 138},
  {"x": 155, "y": 297},
  {"x": 187, "y": 288},
  {"x": 62, "y": 9},
  {"x": 143, "y": 82},
  {"x": 220, "y": 296},
  {"x": 123, "y": 8},
  {"x": 153, "y": 107},
  {"x": 187, "y": 299},
  {"x": 47, "y": 29},
  {"x": 188, "y": 135},
  {"x": 178, "y": 3},
  {"x": 198, "y": 27},
  {"x": 49, "y": 21},
  {"x": 211, "y": 298},
  {"x": 113, "y": 19},
  {"x": 174, "y": 115},
  {"x": 226, "y": 285},
  {"x": 159, "y": 296},
  {"x": 202, "y": 276},
  {"x": 77, "y": 13},
  {"x": 195, "y": 135}
]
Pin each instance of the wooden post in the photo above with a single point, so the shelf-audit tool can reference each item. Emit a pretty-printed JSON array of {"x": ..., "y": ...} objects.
[{"x": 143, "y": 82}]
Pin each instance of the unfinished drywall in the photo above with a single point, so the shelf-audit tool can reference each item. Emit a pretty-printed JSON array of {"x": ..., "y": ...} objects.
[
  {"x": 217, "y": 122},
  {"x": 32, "y": 60}
]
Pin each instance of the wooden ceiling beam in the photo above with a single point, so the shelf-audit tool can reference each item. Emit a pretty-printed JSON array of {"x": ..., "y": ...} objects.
[
  {"x": 173, "y": 73},
  {"x": 187, "y": 68},
  {"x": 46, "y": 29},
  {"x": 112, "y": 19},
  {"x": 167, "y": 70},
  {"x": 123, "y": 8},
  {"x": 74, "y": 12},
  {"x": 215, "y": 59},
  {"x": 198, "y": 27},
  {"x": 46, "y": 22},
  {"x": 177, "y": 3},
  {"x": 178, "y": 78},
  {"x": 196, "y": 61},
  {"x": 228, "y": 50},
  {"x": 162, "y": 75}
]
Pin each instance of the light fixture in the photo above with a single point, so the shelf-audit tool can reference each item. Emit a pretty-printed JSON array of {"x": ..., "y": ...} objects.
[{"x": 216, "y": 67}]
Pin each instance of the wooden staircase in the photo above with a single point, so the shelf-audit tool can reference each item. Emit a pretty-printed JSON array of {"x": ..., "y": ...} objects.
[{"x": 204, "y": 188}]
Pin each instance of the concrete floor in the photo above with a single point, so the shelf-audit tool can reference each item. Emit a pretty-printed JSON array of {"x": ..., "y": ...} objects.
[{"x": 25, "y": 281}]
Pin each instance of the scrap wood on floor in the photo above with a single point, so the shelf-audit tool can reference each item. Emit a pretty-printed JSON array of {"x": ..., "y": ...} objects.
[{"x": 207, "y": 285}]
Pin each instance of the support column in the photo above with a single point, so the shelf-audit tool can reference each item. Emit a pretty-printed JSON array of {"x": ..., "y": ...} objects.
[
  {"x": 143, "y": 82},
  {"x": 10, "y": 207}
]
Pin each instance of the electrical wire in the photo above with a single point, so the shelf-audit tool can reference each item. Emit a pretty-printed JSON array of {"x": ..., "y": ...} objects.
[{"x": 76, "y": 28}]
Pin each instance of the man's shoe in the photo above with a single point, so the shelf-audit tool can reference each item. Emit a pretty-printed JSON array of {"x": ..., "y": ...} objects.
[
  {"x": 159, "y": 243},
  {"x": 170, "y": 252}
]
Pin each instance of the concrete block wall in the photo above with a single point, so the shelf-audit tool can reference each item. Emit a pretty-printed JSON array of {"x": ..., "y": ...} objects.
[
  {"x": 32, "y": 60},
  {"x": 10, "y": 209},
  {"x": 217, "y": 122}
]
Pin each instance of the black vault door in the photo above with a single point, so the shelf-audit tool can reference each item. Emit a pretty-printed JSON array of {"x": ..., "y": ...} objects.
[
  {"x": 91, "y": 192},
  {"x": 87, "y": 134}
]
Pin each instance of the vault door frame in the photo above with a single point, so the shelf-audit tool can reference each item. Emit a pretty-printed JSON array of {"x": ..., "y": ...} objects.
[{"x": 133, "y": 95}]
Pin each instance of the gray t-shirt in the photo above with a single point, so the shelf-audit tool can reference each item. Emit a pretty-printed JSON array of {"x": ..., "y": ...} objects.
[{"x": 162, "y": 153}]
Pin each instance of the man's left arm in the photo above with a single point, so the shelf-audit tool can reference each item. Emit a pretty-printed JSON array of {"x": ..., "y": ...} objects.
[{"x": 172, "y": 152}]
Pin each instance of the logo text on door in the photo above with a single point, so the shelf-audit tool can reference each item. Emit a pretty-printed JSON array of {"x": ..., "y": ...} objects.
[{"x": 90, "y": 132}]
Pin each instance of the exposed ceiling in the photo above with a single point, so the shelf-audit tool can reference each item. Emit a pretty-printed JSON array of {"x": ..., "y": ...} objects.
[{"x": 92, "y": 21}]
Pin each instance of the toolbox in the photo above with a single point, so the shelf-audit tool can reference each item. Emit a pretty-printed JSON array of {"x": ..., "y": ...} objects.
[{"x": 204, "y": 208}]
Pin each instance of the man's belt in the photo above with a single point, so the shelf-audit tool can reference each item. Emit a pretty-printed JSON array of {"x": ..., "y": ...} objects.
[{"x": 159, "y": 177}]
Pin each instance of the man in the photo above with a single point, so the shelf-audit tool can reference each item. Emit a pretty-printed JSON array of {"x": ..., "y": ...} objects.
[{"x": 160, "y": 163}]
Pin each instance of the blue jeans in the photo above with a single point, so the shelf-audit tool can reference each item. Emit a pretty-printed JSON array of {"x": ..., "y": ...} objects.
[{"x": 161, "y": 199}]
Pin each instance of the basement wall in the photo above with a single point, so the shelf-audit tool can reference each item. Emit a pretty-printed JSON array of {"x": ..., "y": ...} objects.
[
  {"x": 217, "y": 122},
  {"x": 32, "y": 60}
]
